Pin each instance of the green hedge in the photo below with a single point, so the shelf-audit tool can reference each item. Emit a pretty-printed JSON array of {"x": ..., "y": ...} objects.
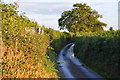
[
  {"x": 100, "y": 51},
  {"x": 30, "y": 50},
  {"x": 58, "y": 39}
]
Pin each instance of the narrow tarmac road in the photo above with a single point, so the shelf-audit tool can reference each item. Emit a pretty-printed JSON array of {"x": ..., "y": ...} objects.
[{"x": 71, "y": 67}]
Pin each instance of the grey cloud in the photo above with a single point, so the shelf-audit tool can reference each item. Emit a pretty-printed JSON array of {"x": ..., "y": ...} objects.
[
  {"x": 48, "y": 13},
  {"x": 44, "y": 8}
]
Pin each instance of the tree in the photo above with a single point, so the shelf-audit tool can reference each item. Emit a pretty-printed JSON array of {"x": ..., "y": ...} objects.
[{"x": 81, "y": 18}]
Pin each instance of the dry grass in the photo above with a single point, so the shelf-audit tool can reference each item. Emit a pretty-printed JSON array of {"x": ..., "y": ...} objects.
[{"x": 23, "y": 65}]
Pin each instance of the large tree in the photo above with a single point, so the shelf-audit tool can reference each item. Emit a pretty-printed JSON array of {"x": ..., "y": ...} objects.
[{"x": 81, "y": 18}]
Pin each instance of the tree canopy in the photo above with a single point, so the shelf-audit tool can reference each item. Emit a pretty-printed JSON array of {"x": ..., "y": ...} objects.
[{"x": 81, "y": 18}]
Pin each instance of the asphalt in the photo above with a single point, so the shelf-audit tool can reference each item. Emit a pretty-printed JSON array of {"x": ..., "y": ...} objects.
[{"x": 72, "y": 68}]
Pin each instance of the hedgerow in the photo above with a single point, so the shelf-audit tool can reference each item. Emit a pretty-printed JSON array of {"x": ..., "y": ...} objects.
[
  {"x": 24, "y": 55},
  {"x": 100, "y": 51}
]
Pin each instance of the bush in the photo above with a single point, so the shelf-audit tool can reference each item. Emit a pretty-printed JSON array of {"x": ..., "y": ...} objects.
[
  {"x": 24, "y": 55},
  {"x": 100, "y": 51}
]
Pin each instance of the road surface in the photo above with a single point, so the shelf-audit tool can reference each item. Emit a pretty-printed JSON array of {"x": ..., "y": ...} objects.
[{"x": 71, "y": 67}]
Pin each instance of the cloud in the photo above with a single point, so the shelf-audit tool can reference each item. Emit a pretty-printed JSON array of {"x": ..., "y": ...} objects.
[
  {"x": 44, "y": 8},
  {"x": 47, "y": 20},
  {"x": 47, "y": 12},
  {"x": 68, "y": 0}
]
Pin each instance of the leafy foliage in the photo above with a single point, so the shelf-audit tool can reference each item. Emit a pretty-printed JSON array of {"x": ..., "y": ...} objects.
[
  {"x": 59, "y": 39},
  {"x": 31, "y": 55},
  {"x": 100, "y": 51},
  {"x": 24, "y": 55},
  {"x": 81, "y": 18},
  {"x": 14, "y": 25}
]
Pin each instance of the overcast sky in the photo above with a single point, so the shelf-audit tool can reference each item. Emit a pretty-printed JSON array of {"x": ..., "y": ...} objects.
[{"x": 47, "y": 12}]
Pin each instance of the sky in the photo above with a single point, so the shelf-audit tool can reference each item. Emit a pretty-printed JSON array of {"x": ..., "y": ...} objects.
[{"x": 47, "y": 12}]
